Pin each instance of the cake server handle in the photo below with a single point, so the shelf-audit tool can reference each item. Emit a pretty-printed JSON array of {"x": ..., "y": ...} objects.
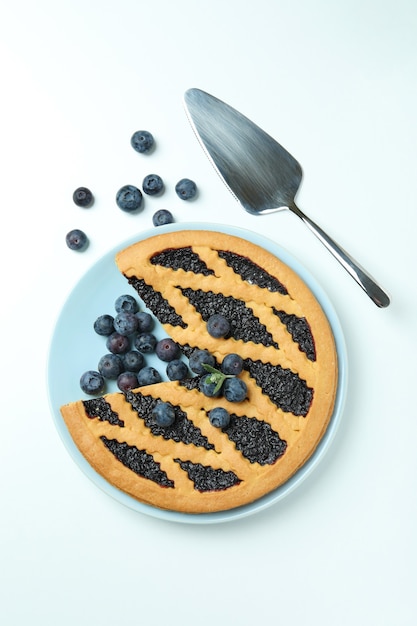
[{"x": 362, "y": 277}]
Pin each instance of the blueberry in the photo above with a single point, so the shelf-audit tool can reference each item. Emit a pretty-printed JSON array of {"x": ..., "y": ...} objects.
[
  {"x": 234, "y": 389},
  {"x": 145, "y": 322},
  {"x": 142, "y": 141},
  {"x": 148, "y": 376},
  {"x": 125, "y": 323},
  {"x": 133, "y": 361},
  {"x": 126, "y": 302},
  {"x": 208, "y": 388},
  {"x": 232, "y": 364},
  {"x": 145, "y": 342},
  {"x": 162, "y": 217},
  {"x": 104, "y": 325},
  {"x": 197, "y": 358},
  {"x": 166, "y": 349},
  {"x": 164, "y": 414},
  {"x": 92, "y": 382},
  {"x": 219, "y": 417},
  {"x": 218, "y": 326},
  {"x": 152, "y": 184},
  {"x": 76, "y": 239},
  {"x": 127, "y": 381},
  {"x": 117, "y": 343},
  {"x": 129, "y": 198},
  {"x": 186, "y": 189},
  {"x": 110, "y": 366},
  {"x": 83, "y": 197},
  {"x": 177, "y": 370}
]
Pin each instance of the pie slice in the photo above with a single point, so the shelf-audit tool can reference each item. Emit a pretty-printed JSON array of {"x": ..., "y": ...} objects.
[{"x": 290, "y": 368}]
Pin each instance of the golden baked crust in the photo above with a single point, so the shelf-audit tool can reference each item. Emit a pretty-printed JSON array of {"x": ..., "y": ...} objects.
[{"x": 291, "y": 380}]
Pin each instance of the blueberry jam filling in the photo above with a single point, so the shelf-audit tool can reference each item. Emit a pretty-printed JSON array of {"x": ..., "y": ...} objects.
[
  {"x": 207, "y": 478},
  {"x": 181, "y": 258},
  {"x": 244, "y": 324},
  {"x": 252, "y": 273},
  {"x": 181, "y": 430},
  {"x": 159, "y": 306},
  {"x": 100, "y": 409},
  {"x": 300, "y": 331},
  {"x": 255, "y": 439},
  {"x": 139, "y": 461},
  {"x": 191, "y": 383},
  {"x": 284, "y": 388}
]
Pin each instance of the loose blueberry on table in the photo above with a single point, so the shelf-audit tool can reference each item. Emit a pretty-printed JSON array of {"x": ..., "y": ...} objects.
[
  {"x": 83, "y": 197},
  {"x": 162, "y": 217},
  {"x": 142, "y": 141},
  {"x": 76, "y": 239},
  {"x": 129, "y": 198},
  {"x": 152, "y": 184},
  {"x": 186, "y": 189}
]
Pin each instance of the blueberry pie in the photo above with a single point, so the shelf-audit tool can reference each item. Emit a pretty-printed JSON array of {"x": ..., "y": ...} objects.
[{"x": 284, "y": 339}]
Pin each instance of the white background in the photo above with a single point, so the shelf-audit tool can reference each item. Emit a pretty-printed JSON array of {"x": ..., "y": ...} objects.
[{"x": 335, "y": 83}]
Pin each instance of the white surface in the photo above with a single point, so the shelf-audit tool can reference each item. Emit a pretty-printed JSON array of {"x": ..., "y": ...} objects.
[{"x": 335, "y": 83}]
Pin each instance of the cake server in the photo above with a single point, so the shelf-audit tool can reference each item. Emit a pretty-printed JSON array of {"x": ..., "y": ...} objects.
[{"x": 260, "y": 173}]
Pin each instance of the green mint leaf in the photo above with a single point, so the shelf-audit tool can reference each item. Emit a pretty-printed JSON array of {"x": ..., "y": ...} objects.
[
  {"x": 219, "y": 384},
  {"x": 210, "y": 369}
]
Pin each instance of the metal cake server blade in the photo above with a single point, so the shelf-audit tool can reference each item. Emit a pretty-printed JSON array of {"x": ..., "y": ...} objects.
[{"x": 260, "y": 173}]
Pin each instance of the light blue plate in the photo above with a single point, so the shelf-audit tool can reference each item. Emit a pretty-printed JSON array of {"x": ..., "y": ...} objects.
[{"x": 75, "y": 348}]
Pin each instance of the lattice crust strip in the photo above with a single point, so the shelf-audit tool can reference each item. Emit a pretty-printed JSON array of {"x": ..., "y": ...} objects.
[{"x": 194, "y": 467}]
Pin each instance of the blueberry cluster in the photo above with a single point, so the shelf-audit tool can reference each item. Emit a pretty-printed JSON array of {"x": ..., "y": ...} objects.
[
  {"x": 224, "y": 381},
  {"x": 216, "y": 382},
  {"x": 129, "y": 338},
  {"x": 129, "y": 198}
]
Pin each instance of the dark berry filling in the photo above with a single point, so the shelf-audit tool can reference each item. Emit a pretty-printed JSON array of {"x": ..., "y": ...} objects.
[
  {"x": 300, "y": 331},
  {"x": 139, "y": 461},
  {"x": 255, "y": 439},
  {"x": 207, "y": 478},
  {"x": 285, "y": 389},
  {"x": 181, "y": 430},
  {"x": 252, "y": 273},
  {"x": 100, "y": 409},
  {"x": 244, "y": 324},
  {"x": 159, "y": 306},
  {"x": 181, "y": 258}
]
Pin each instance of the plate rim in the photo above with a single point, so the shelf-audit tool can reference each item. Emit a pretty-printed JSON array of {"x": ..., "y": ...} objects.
[{"x": 294, "y": 481}]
